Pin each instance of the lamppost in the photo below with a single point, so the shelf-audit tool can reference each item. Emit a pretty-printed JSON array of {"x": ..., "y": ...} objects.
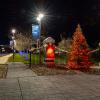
[
  {"x": 39, "y": 19},
  {"x": 13, "y": 31},
  {"x": 99, "y": 52},
  {"x": 99, "y": 45}
]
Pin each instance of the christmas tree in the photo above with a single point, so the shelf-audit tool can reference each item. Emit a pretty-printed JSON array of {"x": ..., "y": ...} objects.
[{"x": 79, "y": 56}]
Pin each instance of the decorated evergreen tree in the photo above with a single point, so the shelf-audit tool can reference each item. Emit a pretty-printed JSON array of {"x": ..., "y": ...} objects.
[{"x": 79, "y": 56}]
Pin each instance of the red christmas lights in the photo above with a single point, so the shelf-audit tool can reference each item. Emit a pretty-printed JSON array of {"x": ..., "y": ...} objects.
[
  {"x": 79, "y": 57},
  {"x": 50, "y": 55}
]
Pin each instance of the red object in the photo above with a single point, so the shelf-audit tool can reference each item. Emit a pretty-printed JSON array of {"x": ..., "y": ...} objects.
[
  {"x": 79, "y": 57},
  {"x": 50, "y": 55}
]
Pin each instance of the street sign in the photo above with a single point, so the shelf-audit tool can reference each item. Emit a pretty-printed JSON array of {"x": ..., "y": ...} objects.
[{"x": 36, "y": 31}]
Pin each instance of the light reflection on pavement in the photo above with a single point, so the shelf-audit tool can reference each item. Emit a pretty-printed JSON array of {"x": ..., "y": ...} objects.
[{"x": 4, "y": 59}]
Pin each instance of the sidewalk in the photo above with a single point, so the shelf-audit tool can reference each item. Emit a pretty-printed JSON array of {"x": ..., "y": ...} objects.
[
  {"x": 19, "y": 69},
  {"x": 22, "y": 84},
  {"x": 4, "y": 59},
  {"x": 58, "y": 87}
]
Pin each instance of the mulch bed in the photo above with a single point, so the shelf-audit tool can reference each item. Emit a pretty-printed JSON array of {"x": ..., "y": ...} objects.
[
  {"x": 44, "y": 70},
  {"x": 95, "y": 70},
  {"x": 61, "y": 69}
]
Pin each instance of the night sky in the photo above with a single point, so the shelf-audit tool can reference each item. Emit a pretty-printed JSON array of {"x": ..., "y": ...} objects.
[{"x": 62, "y": 16}]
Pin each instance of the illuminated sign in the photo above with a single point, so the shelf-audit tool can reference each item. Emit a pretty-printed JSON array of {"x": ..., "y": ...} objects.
[{"x": 36, "y": 31}]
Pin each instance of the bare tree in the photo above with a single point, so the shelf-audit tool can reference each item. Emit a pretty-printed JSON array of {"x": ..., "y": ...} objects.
[
  {"x": 65, "y": 44},
  {"x": 23, "y": 41}
]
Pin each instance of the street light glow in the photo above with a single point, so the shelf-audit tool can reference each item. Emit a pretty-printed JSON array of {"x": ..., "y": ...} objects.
[
  {"x": 13, "y": 31},
  {"x": 40, "y": 16},
  {"x": 38, "y": 19},
  {"x": 99, "y": 44}
]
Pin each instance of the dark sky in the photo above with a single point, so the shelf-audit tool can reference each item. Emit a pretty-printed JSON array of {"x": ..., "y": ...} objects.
[{"x": 61, "y": 16}]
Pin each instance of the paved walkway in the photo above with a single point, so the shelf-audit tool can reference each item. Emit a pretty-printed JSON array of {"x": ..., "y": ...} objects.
[
  {"x": 19, "y": 69},
  {"x": 58, "y": 87},
  {"x": 22, "y": 84},
  {"x": 4, "y": 59}
]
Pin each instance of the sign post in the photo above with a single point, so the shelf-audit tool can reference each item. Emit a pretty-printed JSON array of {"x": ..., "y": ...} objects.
[{"x": 36, "y": 37}]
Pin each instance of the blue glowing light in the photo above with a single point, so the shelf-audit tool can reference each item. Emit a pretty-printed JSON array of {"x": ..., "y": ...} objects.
[{"x": 36, "y": 31}]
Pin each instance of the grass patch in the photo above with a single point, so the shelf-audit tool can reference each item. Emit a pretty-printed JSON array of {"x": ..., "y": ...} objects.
[
  {"x": 43, "y": 70},
  {"x": 59, "y": 59},
  {"x": 35, "y": 59},
  {"x": 95, "y": 61},
  {"x": 18, "y": 58},
  {"x": 3, "y": 71}
]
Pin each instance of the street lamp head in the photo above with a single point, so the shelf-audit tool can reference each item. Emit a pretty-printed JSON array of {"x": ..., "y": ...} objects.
[
  {"x": 40, "y": 17},
  {"x": 99, "y": 44},
  {"x": 13, "y": 31},
  {"x": 13, "y": 37}
]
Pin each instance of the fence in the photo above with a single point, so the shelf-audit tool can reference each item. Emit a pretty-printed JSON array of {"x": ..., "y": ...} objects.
[
  {"x": 60, "y": 57},
  {"x": 95, "y": 58}
]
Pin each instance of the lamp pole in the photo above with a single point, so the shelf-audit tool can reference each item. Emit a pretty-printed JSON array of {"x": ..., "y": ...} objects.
[
  {"x": 99, "y": 52},
  {"x": 99, "y": 48},
  {"x": 39, "y": 19},
  {"x": 13, "y": 32},
  {"x": 99, "y": 45}
]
